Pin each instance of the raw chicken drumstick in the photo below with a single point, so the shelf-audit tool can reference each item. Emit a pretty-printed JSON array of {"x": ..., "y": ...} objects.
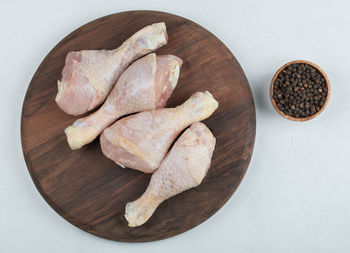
[
  {"x": 183, "y": 168},
  {"x": 146, "y": 84},
  {"x": 141, "y": 141},
  {"x": 89, "y": 75}
]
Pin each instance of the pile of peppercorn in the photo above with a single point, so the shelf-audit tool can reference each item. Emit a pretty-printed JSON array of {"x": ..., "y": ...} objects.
[{"x": 300, "y": 90}]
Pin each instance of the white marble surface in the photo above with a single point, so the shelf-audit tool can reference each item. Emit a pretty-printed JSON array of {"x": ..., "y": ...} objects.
[{"x": 295, "y": 195}]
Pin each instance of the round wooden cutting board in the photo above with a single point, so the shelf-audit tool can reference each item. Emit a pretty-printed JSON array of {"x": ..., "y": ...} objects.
[{"x": 89, "y": 190}]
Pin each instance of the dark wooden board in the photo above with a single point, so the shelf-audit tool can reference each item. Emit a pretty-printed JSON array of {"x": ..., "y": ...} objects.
[{"x": 89, "y": 190}]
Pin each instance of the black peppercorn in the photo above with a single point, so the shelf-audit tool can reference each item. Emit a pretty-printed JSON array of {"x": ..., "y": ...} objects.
[{"x": 299, "y": 90}]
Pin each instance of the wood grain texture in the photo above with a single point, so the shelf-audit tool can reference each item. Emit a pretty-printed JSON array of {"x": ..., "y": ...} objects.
[{"x": 89, "y": 190}]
